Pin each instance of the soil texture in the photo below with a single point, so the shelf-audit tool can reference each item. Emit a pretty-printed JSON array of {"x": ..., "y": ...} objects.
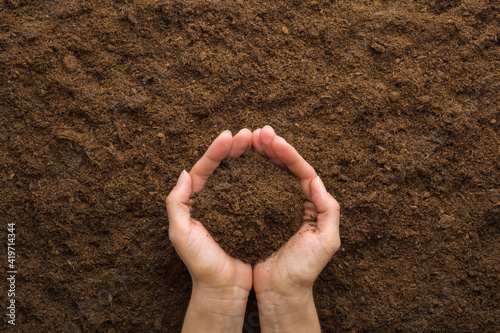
[
  {"x": 394, "y": 103},
  {"x": 250, "y": 206}
]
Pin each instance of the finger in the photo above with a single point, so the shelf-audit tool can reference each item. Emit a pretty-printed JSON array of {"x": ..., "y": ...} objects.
[
  {"x": 308, "y": 205},
  {"x": 267, "y": 136},
  {"x": 177, "y": 201},
  {"x": 310, "y": 217},
  {"x": 294, "y": 162},
  {"x": 241, "y": 142},
  {"x": 310, "y": 212},
  {"x": 256, "y": 144},
  {"x": 328, "y": 219},
  {"x": 217, "y": 151}
]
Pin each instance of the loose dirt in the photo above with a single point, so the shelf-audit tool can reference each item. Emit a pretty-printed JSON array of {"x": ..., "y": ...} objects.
[
  {"x": 394, "y": 103},
  {"x": 250, "y": 206}
]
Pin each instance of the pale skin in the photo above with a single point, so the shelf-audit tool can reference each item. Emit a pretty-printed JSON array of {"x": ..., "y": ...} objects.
[{"x": 282, "y": 283}]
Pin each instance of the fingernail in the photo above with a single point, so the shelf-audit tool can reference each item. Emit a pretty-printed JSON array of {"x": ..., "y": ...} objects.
[
  {"x": 227, "y": 131},
  {"x": 181, "y": 177},
  {"x": 269, "y": 127},
  {"x": 321, "y": 185}
]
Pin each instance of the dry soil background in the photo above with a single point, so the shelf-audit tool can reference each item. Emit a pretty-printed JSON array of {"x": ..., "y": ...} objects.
[{"x": 395, "y": 103}]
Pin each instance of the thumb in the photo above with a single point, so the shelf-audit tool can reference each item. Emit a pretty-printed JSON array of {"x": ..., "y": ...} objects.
[
  {"x": 177, "y": 207},
  {"x": 328, "y": 213}
]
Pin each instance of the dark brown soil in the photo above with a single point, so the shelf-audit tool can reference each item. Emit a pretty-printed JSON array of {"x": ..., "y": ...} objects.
[
  {"x": 250, "y": 206},
  {"x": 394, "y": 103}
]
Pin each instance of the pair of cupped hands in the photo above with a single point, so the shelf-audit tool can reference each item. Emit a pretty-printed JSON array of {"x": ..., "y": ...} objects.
[{"x": 283, "y": 283}]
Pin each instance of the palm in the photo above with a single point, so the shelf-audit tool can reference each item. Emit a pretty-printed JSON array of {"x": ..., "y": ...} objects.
[
  {"x": 213, "y": 264},
  {"x": 295, "y": 265}
]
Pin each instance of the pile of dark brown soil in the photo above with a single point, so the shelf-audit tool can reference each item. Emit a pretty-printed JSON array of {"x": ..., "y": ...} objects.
[
  {"x": 394, "y": 103},
  {"x": 250, "y": 206}
]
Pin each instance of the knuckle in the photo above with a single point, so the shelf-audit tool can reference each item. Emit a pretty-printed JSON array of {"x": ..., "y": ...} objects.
[
  {"x": 170, "y": 198},
  {"x": 336, "y": 244},
  {"x": 334, "y": 204},
  {"x": 172, "y": 236}
]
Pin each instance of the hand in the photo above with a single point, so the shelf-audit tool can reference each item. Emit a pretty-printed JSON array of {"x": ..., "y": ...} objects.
[
  {"x": 221, "y": 284},
  {"x": 283, "y": 283}
]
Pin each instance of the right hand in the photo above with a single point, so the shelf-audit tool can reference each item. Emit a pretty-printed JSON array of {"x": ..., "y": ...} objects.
[{"x": 283, "y": 283}]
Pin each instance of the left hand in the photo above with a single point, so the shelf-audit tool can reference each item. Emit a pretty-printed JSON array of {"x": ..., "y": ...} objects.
[{"x": 221, "y": 283}]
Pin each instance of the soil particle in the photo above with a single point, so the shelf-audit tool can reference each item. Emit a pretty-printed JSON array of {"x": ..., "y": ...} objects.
[
  {"x": 446, "y": 221},
  {"x": 394, "y": 96},
  {"x": 110, "y": 48},
  {"x": 13, "y": 4},
  {"x": 377, "y": 47},
  {"x": 425, "y": 99},
  {"x": 70, "y": 63},
  {"x": 325, "y": 312}
]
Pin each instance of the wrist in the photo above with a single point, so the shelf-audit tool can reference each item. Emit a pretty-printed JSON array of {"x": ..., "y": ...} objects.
[
  {"x": 219, "y": 298},
  {"x": 288, "y": 312},
  {"x": 216, "y": 309}
]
